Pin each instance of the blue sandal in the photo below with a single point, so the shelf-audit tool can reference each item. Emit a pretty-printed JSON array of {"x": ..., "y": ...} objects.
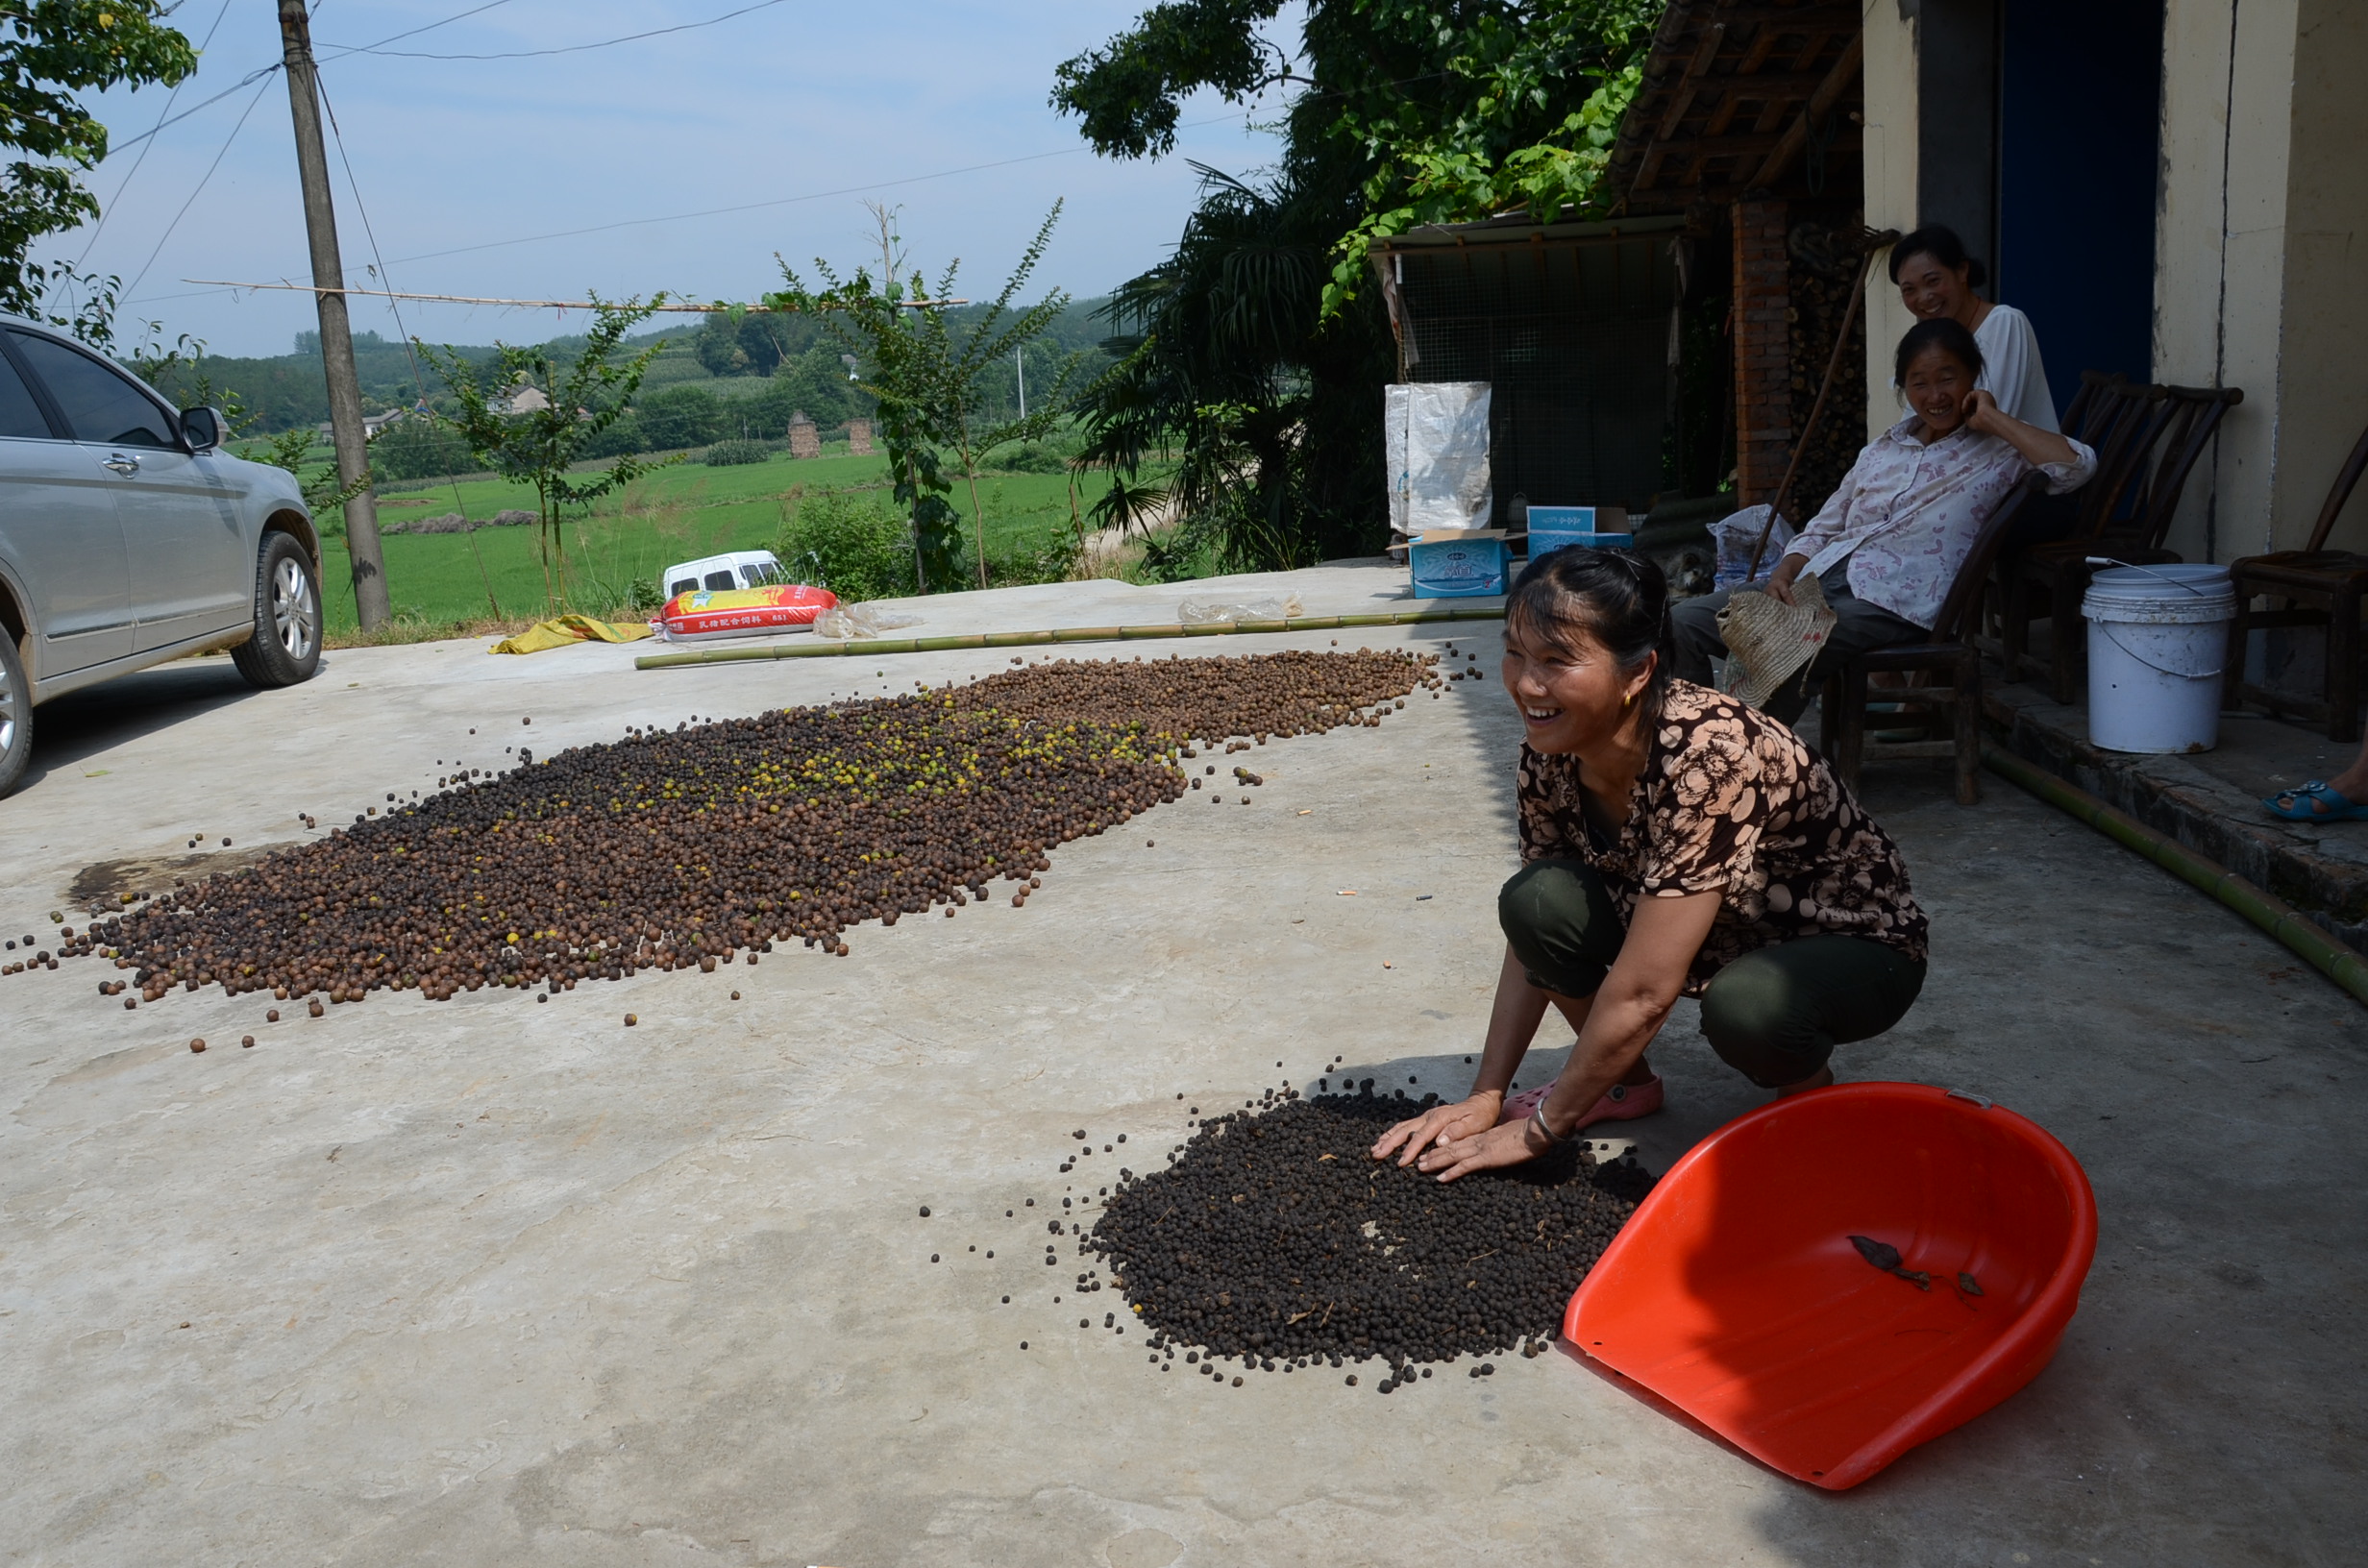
[{"x": 2304, "y": 805}]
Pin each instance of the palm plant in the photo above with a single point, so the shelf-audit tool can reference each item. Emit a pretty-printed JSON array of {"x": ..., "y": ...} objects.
[{"x": 1227, "y": 359}]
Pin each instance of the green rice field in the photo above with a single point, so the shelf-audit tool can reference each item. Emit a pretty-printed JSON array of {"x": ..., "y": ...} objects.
[{"x": 673, "y": 515}]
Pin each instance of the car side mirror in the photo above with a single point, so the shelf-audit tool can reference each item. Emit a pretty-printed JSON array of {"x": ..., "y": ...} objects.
[{"x": 202, "y": 429}]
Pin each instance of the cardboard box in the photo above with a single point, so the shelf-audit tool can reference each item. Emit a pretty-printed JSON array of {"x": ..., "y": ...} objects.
[
  {"x": 1603, "y": 527},
  {"x": 1459, "y": 563}
]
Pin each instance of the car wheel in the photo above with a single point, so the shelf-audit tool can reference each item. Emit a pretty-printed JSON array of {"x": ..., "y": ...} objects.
[
  {"x": 15, "y": 715},
  {"x": 286, "y": 646}
]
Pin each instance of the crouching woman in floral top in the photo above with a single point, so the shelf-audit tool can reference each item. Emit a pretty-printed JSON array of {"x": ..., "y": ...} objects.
[{"x": 1673, "y": 843}]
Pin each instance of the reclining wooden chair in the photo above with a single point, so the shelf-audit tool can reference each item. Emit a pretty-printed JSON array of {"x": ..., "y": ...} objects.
[
  {"x": 2321, "y": 587},
  {"x": 1949, "y": 653},
  {"x": 2111, "y": 415},
  {"x": 2141, "y": 474}
]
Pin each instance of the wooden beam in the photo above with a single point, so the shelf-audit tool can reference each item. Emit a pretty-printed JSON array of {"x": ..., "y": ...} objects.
[
  {"x": 1837, "y": 81},
  {"x": 1682, "y": 99}
]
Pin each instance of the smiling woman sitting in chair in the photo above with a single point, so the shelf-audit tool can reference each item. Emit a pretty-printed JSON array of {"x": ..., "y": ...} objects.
[{"x": 1888, "y": 542}]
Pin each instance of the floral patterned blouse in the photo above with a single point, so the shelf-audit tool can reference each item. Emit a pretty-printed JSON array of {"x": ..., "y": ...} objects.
[{"x": 1730, "y": 801}]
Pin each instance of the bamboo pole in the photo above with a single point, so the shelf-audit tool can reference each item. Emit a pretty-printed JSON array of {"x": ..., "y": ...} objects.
[
  {"x": 1065, "y": 634},
  {"x": 2283, "y": 923}
]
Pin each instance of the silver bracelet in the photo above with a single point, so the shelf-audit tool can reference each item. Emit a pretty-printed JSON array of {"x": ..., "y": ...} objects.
[{"x": 1537, "y": 1119}]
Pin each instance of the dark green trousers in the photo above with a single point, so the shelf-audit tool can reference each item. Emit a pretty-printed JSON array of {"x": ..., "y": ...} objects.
[{"x": 1774, "y": 1015}]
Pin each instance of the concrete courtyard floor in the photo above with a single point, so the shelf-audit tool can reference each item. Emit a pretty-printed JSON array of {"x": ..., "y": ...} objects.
[{"x": 489, "y": 1283}]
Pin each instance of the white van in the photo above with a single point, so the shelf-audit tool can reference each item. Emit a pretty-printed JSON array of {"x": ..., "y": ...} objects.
[{"x": 720, "y": 573}]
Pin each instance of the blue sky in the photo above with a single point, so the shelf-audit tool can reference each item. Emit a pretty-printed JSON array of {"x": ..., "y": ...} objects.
[{"x": 797, "y": 99}]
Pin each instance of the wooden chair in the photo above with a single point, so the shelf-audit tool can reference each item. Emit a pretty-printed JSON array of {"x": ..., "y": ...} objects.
[
  {"x": 2141, "y": 474},
  {"x": 1949, "y": 653},
  {"x": 2321, "y": 587},
  {"x": 2108, "y": 415}
]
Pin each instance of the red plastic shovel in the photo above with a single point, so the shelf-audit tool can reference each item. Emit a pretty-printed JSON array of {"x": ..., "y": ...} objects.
[{"x": 1750, "y": 1288}]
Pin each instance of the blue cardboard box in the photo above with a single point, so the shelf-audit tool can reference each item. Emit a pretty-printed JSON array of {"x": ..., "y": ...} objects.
[
  {"x": 1459, "y": 563},
  {"x": 1603, "y": 527}
]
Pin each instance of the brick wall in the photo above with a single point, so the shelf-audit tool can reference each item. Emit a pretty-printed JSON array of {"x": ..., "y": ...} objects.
[{"x": 1762, "y": 350}]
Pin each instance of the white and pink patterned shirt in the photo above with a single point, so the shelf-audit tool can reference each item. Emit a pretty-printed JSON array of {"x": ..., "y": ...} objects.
[{"x": 1907, "y": 513}]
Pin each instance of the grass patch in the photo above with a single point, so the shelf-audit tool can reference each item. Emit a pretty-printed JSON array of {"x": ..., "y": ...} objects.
[{"x": 493, "y": 578}]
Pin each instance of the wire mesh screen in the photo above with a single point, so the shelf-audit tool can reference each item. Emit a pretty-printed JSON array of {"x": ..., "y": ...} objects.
[{"x": 1574, "y": 337}]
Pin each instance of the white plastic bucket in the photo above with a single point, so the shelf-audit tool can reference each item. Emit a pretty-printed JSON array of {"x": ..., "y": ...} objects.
[{"x": 2157, "y": 640}]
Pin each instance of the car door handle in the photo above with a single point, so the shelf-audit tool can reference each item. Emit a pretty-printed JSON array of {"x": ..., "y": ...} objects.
[{"x": 120, "y": 463}]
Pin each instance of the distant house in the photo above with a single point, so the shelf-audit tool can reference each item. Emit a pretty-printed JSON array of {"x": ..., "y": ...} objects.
[
  {"x": 372, "y": 425},
  {"x": 526, "y": 399}
]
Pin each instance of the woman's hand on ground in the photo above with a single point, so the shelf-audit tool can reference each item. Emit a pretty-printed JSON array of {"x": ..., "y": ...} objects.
[
  {"x": 1780, "y": 581},
  {"x": 1442, "y": 1124},
  {"x": 1511, "y": 1144}
]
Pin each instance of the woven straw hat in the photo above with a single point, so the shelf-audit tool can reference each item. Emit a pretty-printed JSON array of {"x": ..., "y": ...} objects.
[{"x": 1769, "y": 641}]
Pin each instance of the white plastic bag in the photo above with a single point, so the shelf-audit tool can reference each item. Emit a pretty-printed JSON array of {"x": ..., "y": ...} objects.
[
  {"x": 855, "y": 621},
  {"x": 1436, "y": 444},
  {"x": 1736, "y": 535},
  {"x": 1196, "y": 612}
]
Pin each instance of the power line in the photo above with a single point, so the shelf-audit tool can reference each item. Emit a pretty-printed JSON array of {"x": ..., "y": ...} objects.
[
  {"x": 262, "y": 71},
  {"x": 790, "y": 200},
  {"x": 107, "y": 211},
  {"x": 201, "y": 185},
  {"x": 256, "y": 75},
  {"x": 719, "y": 212},
  {"x": 415, "y": 31},
  {"x": 565, "y": 49}
]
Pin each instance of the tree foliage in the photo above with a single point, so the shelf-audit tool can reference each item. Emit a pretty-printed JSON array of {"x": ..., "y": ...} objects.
[
  {"x": 50, "y": 50},
  {"x": 929, "y": 378},
  {"x": 582, "y": 397},
  {"x": 1457, "y": 110},
  {"x": 1255, "y": 352}
]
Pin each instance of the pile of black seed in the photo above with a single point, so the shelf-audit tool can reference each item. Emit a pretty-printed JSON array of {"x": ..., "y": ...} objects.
[
  {"x": 1275, "y": 1237},
  {"x": 668, "y": 849}
]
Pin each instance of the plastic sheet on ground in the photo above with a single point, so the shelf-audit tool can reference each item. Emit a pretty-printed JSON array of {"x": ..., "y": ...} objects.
[
  {"x": 848, "y": 623},
  {"x": 1200, "y": 612},
  {"x": 569, "y": 629}
]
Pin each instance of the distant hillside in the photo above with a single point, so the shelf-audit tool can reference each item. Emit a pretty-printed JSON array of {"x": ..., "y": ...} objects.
[{"x": 284, "y": 391}]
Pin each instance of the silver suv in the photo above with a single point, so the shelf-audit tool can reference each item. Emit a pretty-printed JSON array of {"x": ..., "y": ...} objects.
[{"x": 129, "y": 537}]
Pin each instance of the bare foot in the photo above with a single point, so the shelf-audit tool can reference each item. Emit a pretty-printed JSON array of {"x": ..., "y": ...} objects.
[{"x": 1816, "y": 1080}]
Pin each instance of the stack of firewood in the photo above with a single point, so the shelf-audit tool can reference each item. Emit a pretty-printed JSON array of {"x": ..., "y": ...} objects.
[{"x": 1825, "y": 262}]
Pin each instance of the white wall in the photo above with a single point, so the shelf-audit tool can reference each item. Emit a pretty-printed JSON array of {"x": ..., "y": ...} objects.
[
  {"x": 2322, "y": 390},
  {"x": 1890, "y": 152},
  {"x": 2220, "y": 250}
]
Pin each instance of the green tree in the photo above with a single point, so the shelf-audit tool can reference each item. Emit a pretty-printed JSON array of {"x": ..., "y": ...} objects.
[
  {"x": 580, "y": 400},
  {"x": 678, "y": 416},
  {"x": 1255, "y": 348},
  {"x": 930, "y": 380},
  {"x": 417, "y": 447},
  {"x": 49, "y": 51},
  {"x": 855, "y": 546}
]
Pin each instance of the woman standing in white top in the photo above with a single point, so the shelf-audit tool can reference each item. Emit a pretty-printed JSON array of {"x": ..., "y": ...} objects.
[{"x": 1936, "y": 279}]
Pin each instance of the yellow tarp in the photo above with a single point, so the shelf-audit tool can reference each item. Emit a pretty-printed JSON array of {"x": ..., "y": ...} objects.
[{"x": 568, "y": 630}]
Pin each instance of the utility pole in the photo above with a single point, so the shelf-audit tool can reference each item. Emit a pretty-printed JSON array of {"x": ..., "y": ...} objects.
[
  {"x": 1019, "y": 366},
  {"x": 345, "y": 423}
]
